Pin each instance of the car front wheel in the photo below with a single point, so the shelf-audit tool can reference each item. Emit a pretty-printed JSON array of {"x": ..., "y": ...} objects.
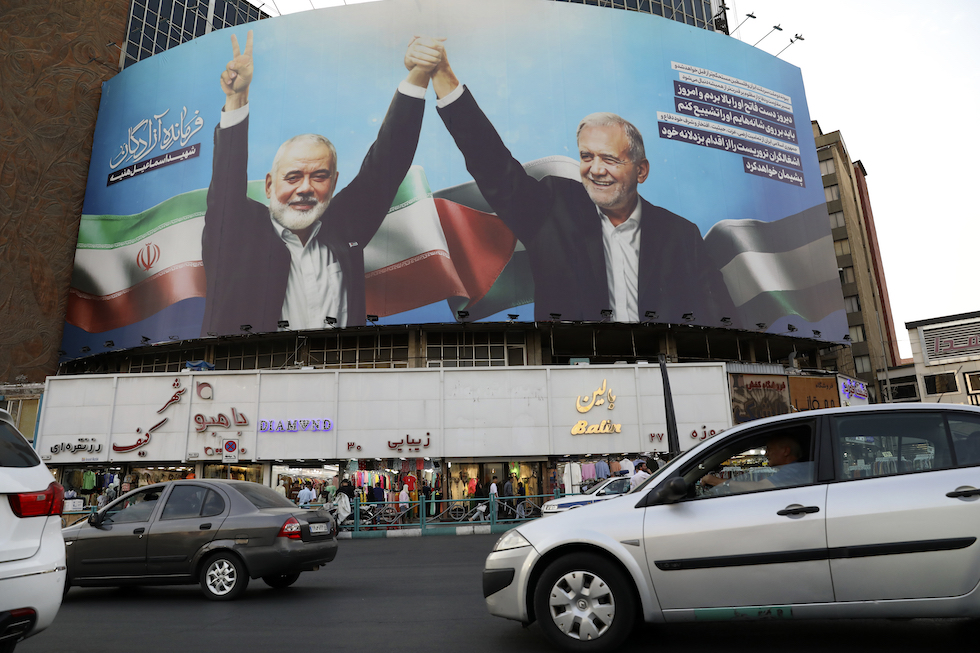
[
  {"x": 223, "y": 577},
  {"x": 280, "y": 581},
  {"x": 585, "y": 603}
]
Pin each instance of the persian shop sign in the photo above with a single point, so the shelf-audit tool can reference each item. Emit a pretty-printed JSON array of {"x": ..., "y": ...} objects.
[
  {"x": 853, "y": 389},
  {"x": 294, "y": 425},
  {"x": 600, "y": 396}
]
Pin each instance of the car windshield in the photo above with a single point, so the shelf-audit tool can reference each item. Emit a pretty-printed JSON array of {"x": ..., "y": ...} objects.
[
  {"x": 261, "y": 496},
  {"x": 595, "y": 488}
]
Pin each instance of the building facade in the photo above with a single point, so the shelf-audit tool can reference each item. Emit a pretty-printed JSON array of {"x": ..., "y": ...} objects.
[
  {"x": 56, "y": 57},
  {"x": 946, "y": 360},
  {"x": 154, "y": 26},
  {"x": 443, "y": 425},
  {"x": 873, "y": 346}
]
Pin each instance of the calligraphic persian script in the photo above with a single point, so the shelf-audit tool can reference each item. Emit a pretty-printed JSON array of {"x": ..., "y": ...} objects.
[
  {"x": 726, "y": 113},
  {"x": 601, "y": 396},
  {"x": 144, "y": 437},
  {"x": 156, "y": 134}
]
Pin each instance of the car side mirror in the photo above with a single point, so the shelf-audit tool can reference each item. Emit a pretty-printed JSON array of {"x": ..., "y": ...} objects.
[
  {"x": 673, "y": 490},
  {"x": 95, "y": 519}
]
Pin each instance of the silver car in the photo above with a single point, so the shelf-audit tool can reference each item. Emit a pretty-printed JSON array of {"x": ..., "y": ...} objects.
[
  {"x": 861, "y": 512},
  {"x": 601, "y": 491}
]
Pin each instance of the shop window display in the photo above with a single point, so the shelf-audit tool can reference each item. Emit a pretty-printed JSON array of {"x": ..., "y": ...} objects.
[{"x": 251, "y": 473}]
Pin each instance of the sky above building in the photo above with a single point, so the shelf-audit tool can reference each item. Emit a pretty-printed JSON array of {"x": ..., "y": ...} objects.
[{"x": 884, "y": 74}]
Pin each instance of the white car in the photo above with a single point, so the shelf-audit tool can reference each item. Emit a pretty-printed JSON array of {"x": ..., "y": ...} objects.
[
  {"x": 32, "y": 550},
  {"x": 606, "y": 489},
  {"x": 863, "y": 512}
]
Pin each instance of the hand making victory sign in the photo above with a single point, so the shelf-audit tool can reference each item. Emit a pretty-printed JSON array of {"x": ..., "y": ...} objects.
[{"x": 237, "y": 75}]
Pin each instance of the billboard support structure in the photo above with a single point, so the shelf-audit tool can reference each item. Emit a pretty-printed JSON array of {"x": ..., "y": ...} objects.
[{"x": 673, "y": 441}]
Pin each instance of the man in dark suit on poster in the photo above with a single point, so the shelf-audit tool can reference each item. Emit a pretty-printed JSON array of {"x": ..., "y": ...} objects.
[
  {"x": 301, "y": 259},
  {"x": 583, "y": 236}
]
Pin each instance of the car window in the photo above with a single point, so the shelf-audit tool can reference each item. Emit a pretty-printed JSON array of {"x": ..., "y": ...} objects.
[
  {"x": 213, "y": 504},
  {"x": 619, "y": 486},
  {"x": 133, "y": 508},
  {"x": 872, "y": 444},
  {"x": 593, "y": 489},
  {"x": 763, "y": 460},
  {"x": 965, "y": 430},
  {"x": 14, "y": 449},
  {"x": 185, "y": 501},
  {"x": 261, "y": 496}
]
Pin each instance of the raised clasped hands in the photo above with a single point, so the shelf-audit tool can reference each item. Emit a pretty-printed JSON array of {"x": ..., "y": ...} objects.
[
  {"x": 426, "y": 59},
  {"x": 424, "y": 53}
]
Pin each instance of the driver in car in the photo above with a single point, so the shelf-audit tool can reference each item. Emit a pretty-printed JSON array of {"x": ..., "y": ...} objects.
[{"x": 783, "y": 453}]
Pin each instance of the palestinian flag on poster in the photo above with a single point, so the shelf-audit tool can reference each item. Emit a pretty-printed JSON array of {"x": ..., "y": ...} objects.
[
  {"x": 431, "y": 247},
  {"x": 781, "y": 268}
]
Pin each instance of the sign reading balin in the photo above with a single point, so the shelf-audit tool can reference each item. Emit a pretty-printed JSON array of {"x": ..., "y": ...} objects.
[{"x": 595, "y": 399}]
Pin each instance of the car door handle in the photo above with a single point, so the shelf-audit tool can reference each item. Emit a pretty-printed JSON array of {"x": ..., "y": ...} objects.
[
  {"x": 957, "y": 494},
  {"x": 797, "y": 510},
  {"x": 205, "y": 527},
  {"x": 139, "y": 531}
]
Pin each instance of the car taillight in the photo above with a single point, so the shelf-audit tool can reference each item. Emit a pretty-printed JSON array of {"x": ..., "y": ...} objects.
[
  {"x": 38, "y": 504},
  {"x": 290, "y": 529}
]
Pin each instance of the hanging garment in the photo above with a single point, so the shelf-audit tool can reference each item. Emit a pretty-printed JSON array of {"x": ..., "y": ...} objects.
[
  {"x": 588, "y": 471},
  {"x": 602, "y": 469},
  {"x": 576, "y": 477}
]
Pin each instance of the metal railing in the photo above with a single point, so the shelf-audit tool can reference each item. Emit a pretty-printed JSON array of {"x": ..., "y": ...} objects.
[
  {"x": 431, "y": 516},
  {"x": 439, "y": 516}
]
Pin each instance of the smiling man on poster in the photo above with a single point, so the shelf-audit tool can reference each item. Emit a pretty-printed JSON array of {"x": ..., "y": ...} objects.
[
  {"x": 301, "y": 259},
  {"x": 584, "y": 237}
]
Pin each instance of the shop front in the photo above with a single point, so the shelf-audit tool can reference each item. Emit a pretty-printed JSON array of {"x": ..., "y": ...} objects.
[{"x": 443, "y": 431}]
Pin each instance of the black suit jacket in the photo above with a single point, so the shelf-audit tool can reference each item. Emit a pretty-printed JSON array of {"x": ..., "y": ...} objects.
[
  {"x": 559, "y": 225},
  {"x": 245, "y": 260}
]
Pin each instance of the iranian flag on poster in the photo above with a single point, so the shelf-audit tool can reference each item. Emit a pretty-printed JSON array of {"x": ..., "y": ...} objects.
[{"x": 431, "y": 247}]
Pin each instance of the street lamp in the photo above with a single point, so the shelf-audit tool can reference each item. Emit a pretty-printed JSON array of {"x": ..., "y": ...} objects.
[{"x": 774, "y": 28}]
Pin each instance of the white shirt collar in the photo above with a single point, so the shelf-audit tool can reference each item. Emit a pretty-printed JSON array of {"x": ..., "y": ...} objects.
[{"x": 281, "y": 230}]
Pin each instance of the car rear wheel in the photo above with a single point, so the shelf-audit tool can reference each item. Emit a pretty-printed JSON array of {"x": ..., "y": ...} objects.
[
  {"x": 279, "y": 581},
  {"x": 223, "y": 577},
  {"x": 585, "y": 603}
]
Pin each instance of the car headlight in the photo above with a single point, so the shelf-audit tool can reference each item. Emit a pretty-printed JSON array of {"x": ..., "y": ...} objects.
[{"x": 510, "y": 540}]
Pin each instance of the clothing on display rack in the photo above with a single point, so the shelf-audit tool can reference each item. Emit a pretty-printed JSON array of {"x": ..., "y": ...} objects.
[
  {"x": 602, "y": 469},
  {"x": 588, "y": 471}
]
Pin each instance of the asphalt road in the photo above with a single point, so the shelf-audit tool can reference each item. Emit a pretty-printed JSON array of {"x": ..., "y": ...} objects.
[{"x": 416, "y": 594}]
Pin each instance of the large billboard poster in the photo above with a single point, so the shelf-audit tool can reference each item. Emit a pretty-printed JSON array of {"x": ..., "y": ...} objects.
[{"x": 705, "y": 207}]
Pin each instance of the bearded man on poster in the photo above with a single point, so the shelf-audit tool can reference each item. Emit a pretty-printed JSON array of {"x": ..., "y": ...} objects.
[{"x": 301, "y": 259}]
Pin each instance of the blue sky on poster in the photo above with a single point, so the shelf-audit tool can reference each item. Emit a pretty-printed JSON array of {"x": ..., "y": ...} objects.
[{"x": 892, "y": 77}]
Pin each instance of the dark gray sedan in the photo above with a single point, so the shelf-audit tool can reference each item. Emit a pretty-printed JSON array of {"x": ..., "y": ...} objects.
[{"x": 214, "y": 532}]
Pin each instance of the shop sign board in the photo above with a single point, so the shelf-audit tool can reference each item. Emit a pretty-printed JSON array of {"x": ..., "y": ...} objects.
[
  {"x": 811, "y": 393},
  {"x": 439, "y": 413},
  {"x": 755, "y": 396},
  {"x": 853, "y": 392}
]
